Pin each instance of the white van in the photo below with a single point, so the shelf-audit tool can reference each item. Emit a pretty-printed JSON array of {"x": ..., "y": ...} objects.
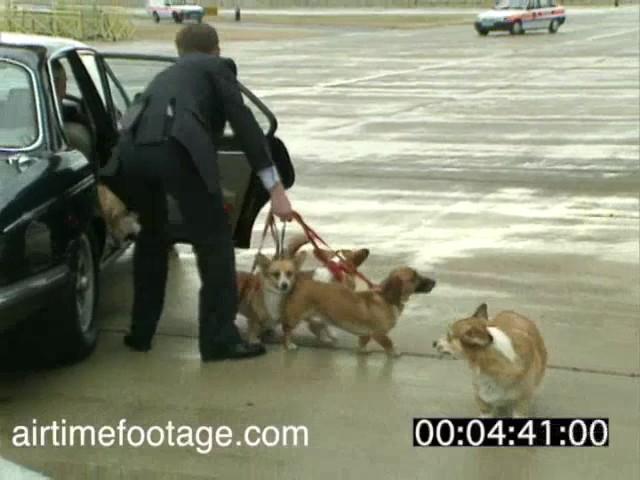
[{"x": 178, "y": 10}]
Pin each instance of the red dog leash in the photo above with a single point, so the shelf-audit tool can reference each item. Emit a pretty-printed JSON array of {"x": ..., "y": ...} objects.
[
  {"x": 337, "y": 269},
  {"x": 269, "y": 226}
]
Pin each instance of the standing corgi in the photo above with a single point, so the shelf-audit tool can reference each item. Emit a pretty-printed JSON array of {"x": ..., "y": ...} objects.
[
  {"x": 507, "y": 357},
  {"x": 263, "y": 293},
  {"x": 330, "y": 272}
]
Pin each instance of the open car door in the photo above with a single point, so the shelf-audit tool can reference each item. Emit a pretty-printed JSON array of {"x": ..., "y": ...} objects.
[{"x": 244, "y": 196}]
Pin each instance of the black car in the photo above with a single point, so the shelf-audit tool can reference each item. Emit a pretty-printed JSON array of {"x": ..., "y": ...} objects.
[{"x": 53, "y": 240}]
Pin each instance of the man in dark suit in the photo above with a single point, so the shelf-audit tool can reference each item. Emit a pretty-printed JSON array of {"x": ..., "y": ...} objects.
[{"x": 169, "y": 146}]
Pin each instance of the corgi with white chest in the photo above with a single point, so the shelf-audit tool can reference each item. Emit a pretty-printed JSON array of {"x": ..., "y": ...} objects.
[
  {"x": 507, "y": 357},
  {"x": 262, "y": 294}
]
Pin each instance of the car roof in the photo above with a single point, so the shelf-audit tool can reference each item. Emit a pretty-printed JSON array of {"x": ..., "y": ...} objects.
[{"x": 52, "y": 44}]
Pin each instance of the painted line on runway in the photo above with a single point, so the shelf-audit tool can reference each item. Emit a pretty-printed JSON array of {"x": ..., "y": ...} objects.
[
  {"x": 608, "y": 372},
  {"x": 445, "y": 64},
  {"x": 434, "y": 66},
  {"x": 610, "y": 35}
]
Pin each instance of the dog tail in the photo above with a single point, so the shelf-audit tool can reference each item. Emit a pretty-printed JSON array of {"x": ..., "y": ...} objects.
[{"x": 296, "y": 243}]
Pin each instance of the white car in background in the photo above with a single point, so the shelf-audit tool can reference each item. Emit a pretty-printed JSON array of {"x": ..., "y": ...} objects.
[
  {"x": 518, "y": 16},
  {"x": 177, "y": 10}
]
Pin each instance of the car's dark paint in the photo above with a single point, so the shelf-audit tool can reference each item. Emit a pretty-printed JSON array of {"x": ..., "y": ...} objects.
[
  {"x": 48, "y": 196},
  {"x": 42, "y": 210}
]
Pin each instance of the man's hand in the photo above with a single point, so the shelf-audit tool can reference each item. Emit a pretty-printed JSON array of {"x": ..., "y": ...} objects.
[{"x": 280, "y": 204}]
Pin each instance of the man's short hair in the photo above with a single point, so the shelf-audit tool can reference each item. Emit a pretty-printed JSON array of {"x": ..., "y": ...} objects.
[{"x": 197, "y": 38}]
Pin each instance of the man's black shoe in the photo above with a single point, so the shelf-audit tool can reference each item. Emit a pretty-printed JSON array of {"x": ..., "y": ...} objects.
[
  {"x": 136, "y": 345},
  {"x": 237, "y": 351}
]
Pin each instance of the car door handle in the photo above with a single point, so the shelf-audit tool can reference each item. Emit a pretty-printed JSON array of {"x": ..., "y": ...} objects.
[{"x": 21, "y": 162}]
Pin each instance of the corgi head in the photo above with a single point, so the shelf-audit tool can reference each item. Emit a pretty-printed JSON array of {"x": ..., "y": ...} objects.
[
  {"x": 354, "y": 258},
  {"x": 466, "y": 336},
  {"x": 280, "y": 273},
  {"x": 403, "y": 282}
]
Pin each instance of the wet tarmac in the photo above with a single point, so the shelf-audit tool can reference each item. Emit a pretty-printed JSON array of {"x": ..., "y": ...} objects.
[{"x": 505, "y": 167}]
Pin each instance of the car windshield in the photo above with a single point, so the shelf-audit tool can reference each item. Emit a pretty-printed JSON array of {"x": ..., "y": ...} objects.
[
  {"x": 18, "y": 120},
  {"x": 506, "y": 4}
]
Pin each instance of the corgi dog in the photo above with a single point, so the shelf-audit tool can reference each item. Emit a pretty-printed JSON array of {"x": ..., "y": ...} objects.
[
  {"x": 368, "y": 314},
  {"x": 121, "y": 223},
  {"x": 332, "y": 270},
  {"x": 262, "y": 294},
  {"x": 507, "y": 357}
]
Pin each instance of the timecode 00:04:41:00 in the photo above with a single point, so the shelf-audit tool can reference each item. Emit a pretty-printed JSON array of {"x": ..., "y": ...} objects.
[{"x": 510, "y": 432}]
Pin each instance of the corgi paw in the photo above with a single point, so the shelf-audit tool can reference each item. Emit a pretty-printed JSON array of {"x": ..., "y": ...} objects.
[
  {"x": 291, "y": 347},
  {"x": 394, "y": 353}
]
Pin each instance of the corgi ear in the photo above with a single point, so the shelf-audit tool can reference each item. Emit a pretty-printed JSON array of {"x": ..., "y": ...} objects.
[
  {"x": 322, "y": 255},
  {"x": 476, "y": 336},
  {"x": 392, "y": 291},
  {"x": 299, "y": 259},
  {"x": 359, "y": 256},
  {"x": 481, "y": 312},
  {"x": 295, "y": 244},
  {"x": 262, "y": 261}
]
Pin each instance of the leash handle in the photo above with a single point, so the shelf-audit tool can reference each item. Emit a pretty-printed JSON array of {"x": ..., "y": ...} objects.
[
  {"x": 268, "y": 225},
  {"x": 283, "y": 232}
]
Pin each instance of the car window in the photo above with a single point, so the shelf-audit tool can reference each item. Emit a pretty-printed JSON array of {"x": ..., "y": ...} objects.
[
  {"x": 119, "y": 100},
  {"x": 72, "y": 84},
  {"x": 91, "y": 65},
  {"x": 135, "y": 74},
  {"x": 18, "y": 112},
  {"x": 515, "y": 4},
  {"x": 262, "y": 119}
]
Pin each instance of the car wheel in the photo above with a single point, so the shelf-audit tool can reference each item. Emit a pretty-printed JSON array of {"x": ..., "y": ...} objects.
[
  {"x": 76, "y": 332},
  {"x": 483, "y": 32},
  {"x": 177, "y": 18},
  {"x": 554, "y": 26},
  {"x": 66, "y": 331},
  {"x": 516, "y": 29},
  {"x": 156, "y": 17}
]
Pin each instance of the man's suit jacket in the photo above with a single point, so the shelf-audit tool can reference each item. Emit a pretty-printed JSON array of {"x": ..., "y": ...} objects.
[{"x": 191, "y": 101}]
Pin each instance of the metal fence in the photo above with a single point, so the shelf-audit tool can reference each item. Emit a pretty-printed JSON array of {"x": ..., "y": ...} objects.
[{"x": 86, "y": 21}]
